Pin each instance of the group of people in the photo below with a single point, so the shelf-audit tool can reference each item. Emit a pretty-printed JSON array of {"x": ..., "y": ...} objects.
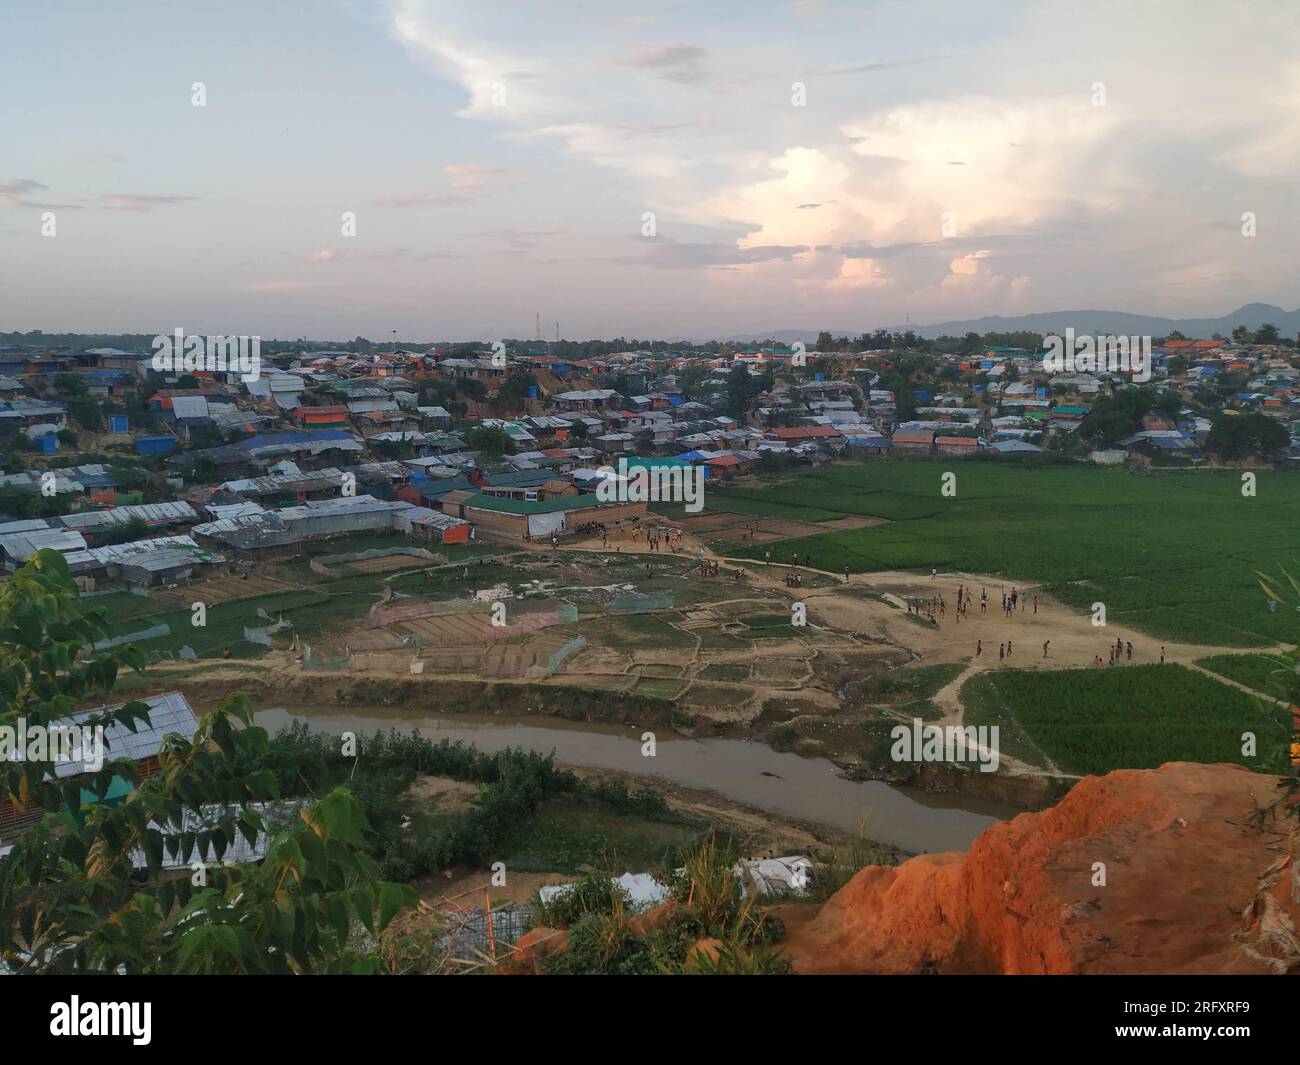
[
  {"x": 1010, "y": 600},
  {"x": 933, "y": 609},
  {"x": 1122, "y": 652},
  {"x": 794, "y": 580},
  {"x": 655, "y": 539}
]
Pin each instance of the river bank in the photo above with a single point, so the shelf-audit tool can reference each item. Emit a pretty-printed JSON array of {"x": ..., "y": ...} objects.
[{"x": 454, "y": 698}]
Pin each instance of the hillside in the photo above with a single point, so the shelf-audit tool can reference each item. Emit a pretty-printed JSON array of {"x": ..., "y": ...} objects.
[{"x": 1192, "y": 886}]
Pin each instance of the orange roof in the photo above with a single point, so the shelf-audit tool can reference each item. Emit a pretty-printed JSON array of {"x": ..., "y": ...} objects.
[{"x": 950, "y": 441}]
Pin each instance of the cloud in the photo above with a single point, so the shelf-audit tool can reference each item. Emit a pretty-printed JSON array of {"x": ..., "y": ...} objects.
[
  {"x": 683, "y": 63},
  {"x": 333, "y": 255},
  {"x": 13, "y": 193},
  {"x": 884, "y": 64},
  {"x": 668, "y": 254},
  {"x": 136, "y": 201},
  {"x": 279, "y": 286},
  {"x": 468, "y": 178}
]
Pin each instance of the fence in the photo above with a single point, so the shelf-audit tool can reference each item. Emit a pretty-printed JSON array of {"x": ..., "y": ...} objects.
[
  {"x": 263, "y": 636},
  {"x": 636, "y": 603},
  {"x": 468, "y": 929},
  {"x": 134, "y": 637},
  {"x": 555, "y": 660},
  {"x": 324, "y": 564},
  {"x": 311, "y": 661},
  {"x": 382, "y": 615}
]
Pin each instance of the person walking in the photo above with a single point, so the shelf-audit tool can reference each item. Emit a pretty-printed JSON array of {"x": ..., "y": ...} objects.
[
  {"x": 1046, "y": 645},
  {"x": 1129, "y": 649},
  {"x": 979, "y": 648}
]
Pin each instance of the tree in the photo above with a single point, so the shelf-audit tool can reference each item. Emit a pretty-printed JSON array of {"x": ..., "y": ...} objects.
[
  {"x": 1241, "y": 334},
  {"x": 1114, "y": 417},
  {"x": 1244, "y": 436},
  {"x": 70, "y": 384},
  {"x": 490, "y": 440},
  {"x": 72, "y": 899},
  {"x": 85, "y": 412},
  {"x": 742, "y": 387},
  {"x": 125, "y": 533},
  {"x": 1267, "y": 334}
]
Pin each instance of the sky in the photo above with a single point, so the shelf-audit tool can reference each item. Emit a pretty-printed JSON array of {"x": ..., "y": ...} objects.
[{"x": 643, "y": 170}]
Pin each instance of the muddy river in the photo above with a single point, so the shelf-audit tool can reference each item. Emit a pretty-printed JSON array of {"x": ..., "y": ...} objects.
[{"x": 751, "y": 773}]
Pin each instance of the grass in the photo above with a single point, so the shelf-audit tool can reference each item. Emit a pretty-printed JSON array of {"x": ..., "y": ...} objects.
[
  {"x": 1129, "y": 717},
  {"x": 635, "y": 632},
  {"x": 1263, "y": 673},
  {"x": 1171, "y": 553},
  {"x": 724, "y": 671},
  {"x": 659, "y": 689},
  {"x": 567, "y": 833},
  {"x": 907, "y": 691}
]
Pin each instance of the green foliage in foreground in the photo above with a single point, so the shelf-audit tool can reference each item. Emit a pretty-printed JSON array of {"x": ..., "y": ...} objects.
[
  {"x": 73, "y": 897},
  {"x": 1125, "y": 717},
  {"x": 708, "y": 903},
  {"x": 513, "y": 785}
]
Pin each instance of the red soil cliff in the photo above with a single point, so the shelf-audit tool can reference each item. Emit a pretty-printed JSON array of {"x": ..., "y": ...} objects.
[{"x": 1192, "y": 884}]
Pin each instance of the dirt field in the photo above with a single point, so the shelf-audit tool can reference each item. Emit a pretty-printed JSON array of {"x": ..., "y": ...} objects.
[
  {"x": 741, "y": 527},
  {"x": 730, "y": 664},
  {"x": 386, "y": 564},
  {"x": 219, "y": 589}
]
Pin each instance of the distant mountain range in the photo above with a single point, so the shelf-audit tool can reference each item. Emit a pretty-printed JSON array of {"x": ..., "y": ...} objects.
[{"x": 1251, "y": 315}]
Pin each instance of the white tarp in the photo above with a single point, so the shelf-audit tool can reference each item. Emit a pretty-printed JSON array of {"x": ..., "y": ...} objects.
[
  {"x": 542, "y": 525},
  {"x": 642, "y": 889}
]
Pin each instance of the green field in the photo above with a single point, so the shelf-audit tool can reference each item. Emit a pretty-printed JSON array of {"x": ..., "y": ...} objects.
[
  {"x": 1269, "y": 674},
  {"x": 1129, "y": 717},
  {"x": 1171, "y": 553},
  {"x": 568, "y": 833},
  {"x": 906, "y": 691}
]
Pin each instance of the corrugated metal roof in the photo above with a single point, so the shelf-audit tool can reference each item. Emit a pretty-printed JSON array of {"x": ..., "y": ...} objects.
[
  {"x": 173, "y": 511},
  {"x": 169, "y": 712},
  {"x": 340, "y": 506},
  {"x": 122, "y": 552},
  {"x": 190, "y": 406},
  {"x": 21, "y": 545}
]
